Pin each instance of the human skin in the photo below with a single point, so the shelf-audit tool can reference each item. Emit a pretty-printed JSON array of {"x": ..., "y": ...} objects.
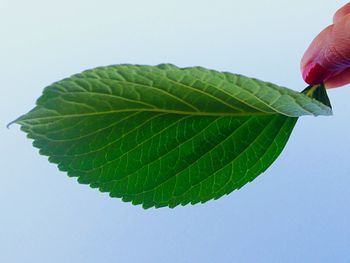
[{"x": 327, "y": 60}]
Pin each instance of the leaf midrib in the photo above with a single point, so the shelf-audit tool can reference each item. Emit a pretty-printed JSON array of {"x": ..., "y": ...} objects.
[{"x": 23, "y": 120}]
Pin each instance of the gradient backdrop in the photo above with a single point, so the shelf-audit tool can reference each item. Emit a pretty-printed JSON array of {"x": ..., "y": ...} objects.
[{"x": 298, "y": 211}]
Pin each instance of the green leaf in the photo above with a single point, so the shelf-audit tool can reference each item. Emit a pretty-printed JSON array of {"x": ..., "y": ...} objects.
[
  {"x": 164, "y": 136},
  {"x": 319, "y": 93}
]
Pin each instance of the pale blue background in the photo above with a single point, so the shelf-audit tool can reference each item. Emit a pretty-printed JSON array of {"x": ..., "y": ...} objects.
[{"x": 298, "y": 211}]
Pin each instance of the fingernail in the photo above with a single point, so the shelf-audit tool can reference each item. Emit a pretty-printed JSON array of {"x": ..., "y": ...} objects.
[{"x": 314, "y": 73}]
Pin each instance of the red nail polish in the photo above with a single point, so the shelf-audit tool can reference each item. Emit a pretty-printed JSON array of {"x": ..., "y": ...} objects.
[{"x": 314, "y": 73}]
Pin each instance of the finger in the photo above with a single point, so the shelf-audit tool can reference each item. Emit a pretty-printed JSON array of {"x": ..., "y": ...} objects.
[
  {"x": 329, "y": 53},
  {"x": 339, "y": 80},
  {"x": 345, "y": 10}
]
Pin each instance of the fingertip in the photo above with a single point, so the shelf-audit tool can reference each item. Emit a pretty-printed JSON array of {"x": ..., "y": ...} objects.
[{"x": 328, "y": 54}]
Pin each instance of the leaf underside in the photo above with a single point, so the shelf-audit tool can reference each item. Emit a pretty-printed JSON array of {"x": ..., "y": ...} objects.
[{"x": 164, "y": 136}]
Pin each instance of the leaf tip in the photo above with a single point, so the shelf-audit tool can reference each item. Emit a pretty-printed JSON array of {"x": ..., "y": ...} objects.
[
  {"x": 10, "y": 123},
  {"x": 17, "y": 120}
]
